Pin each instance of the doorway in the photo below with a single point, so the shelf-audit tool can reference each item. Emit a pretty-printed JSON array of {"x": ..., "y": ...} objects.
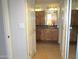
[
  {"x": 47, "y": 15},
  {"x": 47, "y": 35}
]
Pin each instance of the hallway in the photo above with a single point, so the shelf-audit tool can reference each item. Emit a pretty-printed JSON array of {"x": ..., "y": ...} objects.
[{"x": 47, "y": 51}]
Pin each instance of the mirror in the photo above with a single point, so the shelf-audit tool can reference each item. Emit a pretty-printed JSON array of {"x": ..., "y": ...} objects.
[
  {"x": 47, "y": 17},
  {"x": 51, "y": 17}
]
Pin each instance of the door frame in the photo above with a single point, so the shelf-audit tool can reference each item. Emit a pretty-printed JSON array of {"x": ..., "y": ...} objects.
[
  {"x": 66, "y": 9},
  {"x": 69, "y": 29},
  {"x": 7, "y": 32}
]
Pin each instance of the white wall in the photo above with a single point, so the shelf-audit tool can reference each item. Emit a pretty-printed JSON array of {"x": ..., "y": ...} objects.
[{"x": 61, "y": 18}]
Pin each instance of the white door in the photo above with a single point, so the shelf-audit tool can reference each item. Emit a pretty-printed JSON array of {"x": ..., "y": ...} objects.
[
  {"x": 66, "y": 20},
  {"x": 7, "y": 34}
]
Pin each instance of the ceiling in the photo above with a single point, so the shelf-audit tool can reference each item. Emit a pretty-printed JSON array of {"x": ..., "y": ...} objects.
[
  {"x": 47, "y": 3},
  {"x": 53, "y": 3}
]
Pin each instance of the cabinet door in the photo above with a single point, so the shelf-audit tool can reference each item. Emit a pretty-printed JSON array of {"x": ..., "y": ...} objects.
[
  {"x": 5, "y": 34},
  {"x": 40, "y": 17},
  {"x": 38, "y": 34},
  {"x": 49, "y": 34},
  {"x": 74, "y": 17},
  {"x": 73, "y": 35}
]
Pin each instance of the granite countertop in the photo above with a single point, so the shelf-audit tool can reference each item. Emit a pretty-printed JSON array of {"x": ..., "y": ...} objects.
[{"x": 46, "y": 26}]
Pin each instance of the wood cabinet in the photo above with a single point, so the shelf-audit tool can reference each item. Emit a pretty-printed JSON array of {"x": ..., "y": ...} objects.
[
  {"x": 38, "y": 34},
  {"x": 74, "y": 25},
  {"x": 74, "y": 17},
  {"x": 40, "y": 17},
  {"x": 73, "y": 35},
  {"x": 44, "y": 32},
  {"x": 47, "y": 34}
]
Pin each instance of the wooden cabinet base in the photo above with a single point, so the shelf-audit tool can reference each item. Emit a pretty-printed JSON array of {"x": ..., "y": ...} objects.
[{"x": 46, "y": 41}]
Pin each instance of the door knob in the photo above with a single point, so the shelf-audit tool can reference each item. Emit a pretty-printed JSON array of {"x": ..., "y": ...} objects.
[{"x": 8, "y": 36}]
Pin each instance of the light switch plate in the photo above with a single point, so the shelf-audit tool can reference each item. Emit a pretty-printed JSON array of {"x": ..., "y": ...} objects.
[{"x": 21, "y": 25}]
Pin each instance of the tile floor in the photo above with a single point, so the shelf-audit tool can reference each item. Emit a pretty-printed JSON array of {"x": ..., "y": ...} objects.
[
  {"x": 72, "y": 52},
  {"x": 51, "y": 51},
  {"x": 47, "y": 51}
]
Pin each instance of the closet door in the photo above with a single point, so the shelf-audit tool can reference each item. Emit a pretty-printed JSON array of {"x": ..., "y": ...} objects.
[
  {"x": 5, "y": 34},
  {"x": 3, "y": 47}
]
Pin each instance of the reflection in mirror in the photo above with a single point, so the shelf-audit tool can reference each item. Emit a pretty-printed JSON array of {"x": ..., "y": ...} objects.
[
  {"x": 47, "y": 17},
  {"x": 51, "y": 17}
]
